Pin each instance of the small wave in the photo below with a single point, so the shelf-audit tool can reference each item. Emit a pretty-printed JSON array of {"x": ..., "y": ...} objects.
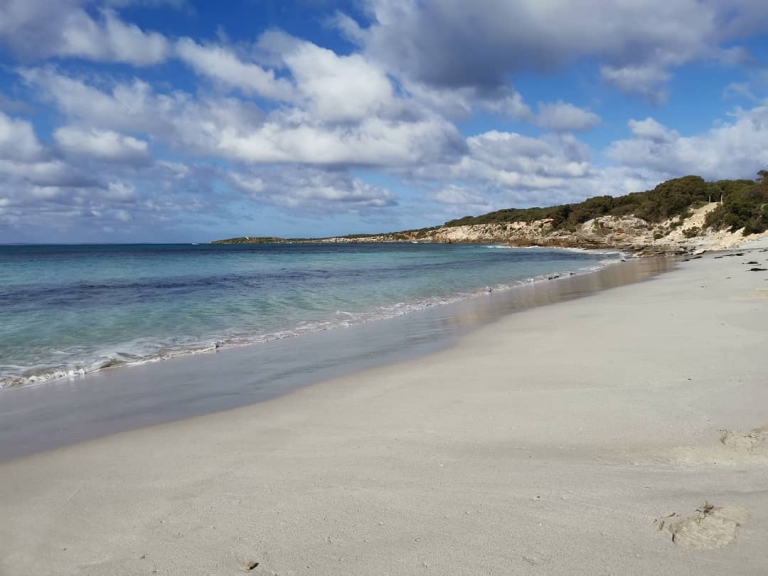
[
  {"x": 42, "y": 374},
  {"x": 606, "y": 251}
]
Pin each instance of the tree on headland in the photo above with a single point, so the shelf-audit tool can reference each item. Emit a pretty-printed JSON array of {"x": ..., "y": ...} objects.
[{"x": 762, "y": 177}]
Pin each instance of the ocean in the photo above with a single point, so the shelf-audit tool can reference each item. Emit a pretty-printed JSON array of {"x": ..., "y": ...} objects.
[{"x": 66, "y": 311}]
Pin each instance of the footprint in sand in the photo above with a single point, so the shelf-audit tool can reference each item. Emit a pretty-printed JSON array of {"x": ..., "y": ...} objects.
[
  {"x": 735, "y": 447},
  {"x": 750, "y": 443},
  {"x": 711, "y": 527}
]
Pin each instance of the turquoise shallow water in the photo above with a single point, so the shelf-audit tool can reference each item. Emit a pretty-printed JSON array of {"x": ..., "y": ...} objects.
[{"x": 69, "y": 310}]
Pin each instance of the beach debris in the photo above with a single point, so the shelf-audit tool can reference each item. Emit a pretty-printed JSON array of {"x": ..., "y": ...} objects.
[
  {"x": 709, "y": 528},
  {"x": 250, "y": 565}
]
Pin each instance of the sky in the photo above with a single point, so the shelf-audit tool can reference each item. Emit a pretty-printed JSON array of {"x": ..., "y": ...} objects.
[{"x": 191, "y": 120}]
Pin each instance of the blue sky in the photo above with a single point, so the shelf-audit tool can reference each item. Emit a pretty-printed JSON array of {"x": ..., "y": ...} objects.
[{"x": 190, "y": 120}]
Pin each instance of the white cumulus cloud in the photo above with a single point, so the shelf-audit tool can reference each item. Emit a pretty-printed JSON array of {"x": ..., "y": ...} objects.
[
  {"x": 565, "y": 117},
  {"x": 224, "y": 66},
  {"x": 64, "y": 28},
  {"x": 18, "y": 140},
  {"x": 453, "y": 43},
  {"x": 738, "y": 148},
  {"x": 313, "y": 191},
  {"x": 237, "y": 130},
  {"x": 101, "y": 144}
]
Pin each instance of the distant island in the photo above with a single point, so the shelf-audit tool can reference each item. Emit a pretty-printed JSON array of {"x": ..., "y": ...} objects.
[{"x": 678, "y": 216}]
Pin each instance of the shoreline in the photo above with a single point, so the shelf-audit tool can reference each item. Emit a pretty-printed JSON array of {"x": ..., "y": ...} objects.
[
  {"x": 52, "y": 414},
  {"x": 556, "y": 440},
  {"x": 118, "y": 359}
]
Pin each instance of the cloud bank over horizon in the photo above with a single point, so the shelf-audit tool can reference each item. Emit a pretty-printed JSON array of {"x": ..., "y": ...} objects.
[{"x": 170, "y": 120}]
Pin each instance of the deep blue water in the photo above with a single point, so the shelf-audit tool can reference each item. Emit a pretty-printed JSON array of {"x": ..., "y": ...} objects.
[{"x": 68, "y": 310}]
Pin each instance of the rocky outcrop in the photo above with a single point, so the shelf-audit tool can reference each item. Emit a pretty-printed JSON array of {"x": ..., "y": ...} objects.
[
  {"x": 506, "y": 232},
  {"x": 626, "y": 233}
]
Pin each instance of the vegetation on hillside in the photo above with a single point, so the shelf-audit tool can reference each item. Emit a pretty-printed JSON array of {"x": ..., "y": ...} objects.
[
  {"x": 744, "y": 205},
  {"x": 404, "y": 236},
  {"x": 251, "y": 240},
  {"x": 398, "y": 236}
]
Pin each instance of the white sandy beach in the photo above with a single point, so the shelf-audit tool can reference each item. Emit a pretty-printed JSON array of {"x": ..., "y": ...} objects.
[{"x": 554, "y": 441}]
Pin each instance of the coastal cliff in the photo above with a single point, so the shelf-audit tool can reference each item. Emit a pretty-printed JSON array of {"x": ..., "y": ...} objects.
[
  {"x": 627, "y": 233},
  {"x": 677, "y": 217},
  {"x": 676, "y": 235}
]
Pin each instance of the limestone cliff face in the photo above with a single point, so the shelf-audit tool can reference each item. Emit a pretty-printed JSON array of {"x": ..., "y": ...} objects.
[
  {"x": 507, "y": 232},
  {"x": 598, "y": 233},
  {"x": 627, "y": 233}
]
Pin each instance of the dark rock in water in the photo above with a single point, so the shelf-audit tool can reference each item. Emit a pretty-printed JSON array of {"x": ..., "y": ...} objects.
[
  {"x": 752, "y": 262},
  {"x": 758, "y": 269}
]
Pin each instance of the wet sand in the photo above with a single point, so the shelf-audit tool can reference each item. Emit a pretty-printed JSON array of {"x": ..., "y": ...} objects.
[{"x": 582, "y": 437}]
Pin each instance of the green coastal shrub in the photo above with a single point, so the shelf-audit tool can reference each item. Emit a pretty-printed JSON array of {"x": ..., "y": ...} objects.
[{"x": 744, "y": 205}]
